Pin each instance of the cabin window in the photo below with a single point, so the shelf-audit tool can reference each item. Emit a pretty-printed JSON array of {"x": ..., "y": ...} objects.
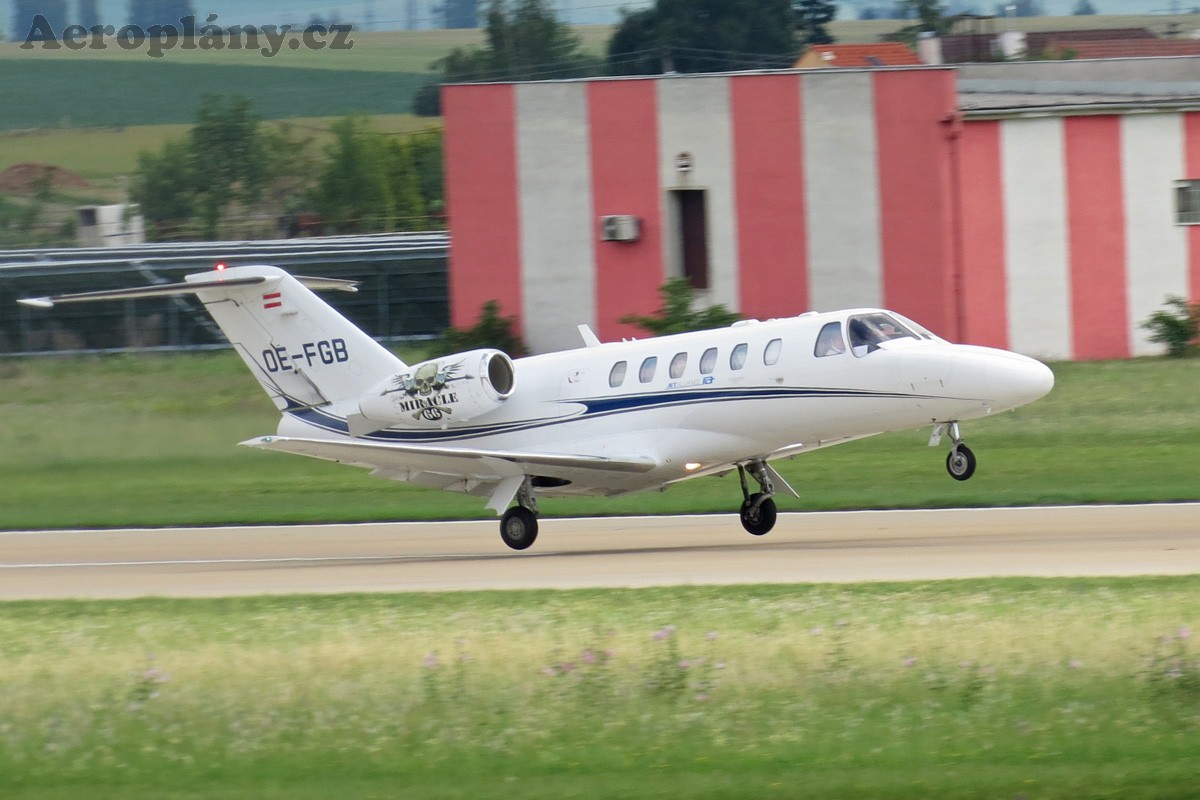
[
  {"x": 616, "y": 375},
  {"x": 771, "y": 354},
  {"x": 737, "y": 359},
  {"x": 646, "y": 373},
  {"x": 678, "y": 364},
  {"x": 708, "y": 361},
  {"x": 830, "y": 341},
  {"x": 868, "y": 331}
]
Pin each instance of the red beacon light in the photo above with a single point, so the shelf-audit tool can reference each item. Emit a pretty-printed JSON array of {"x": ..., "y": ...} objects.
[{"x": 220, "y": 267}]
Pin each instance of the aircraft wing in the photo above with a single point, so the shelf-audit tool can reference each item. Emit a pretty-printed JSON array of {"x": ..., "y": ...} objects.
[{"x": 498, "y": 473}]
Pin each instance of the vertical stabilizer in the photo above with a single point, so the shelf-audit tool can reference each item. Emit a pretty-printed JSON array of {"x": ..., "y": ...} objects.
[{"x": 300, "y": 349}]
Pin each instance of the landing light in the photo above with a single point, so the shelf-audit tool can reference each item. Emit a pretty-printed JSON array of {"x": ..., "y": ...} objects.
[{"x": 692, "y": 466}]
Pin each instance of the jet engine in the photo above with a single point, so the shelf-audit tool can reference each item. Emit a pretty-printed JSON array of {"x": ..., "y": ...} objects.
[{"x": 437, "y": 393}]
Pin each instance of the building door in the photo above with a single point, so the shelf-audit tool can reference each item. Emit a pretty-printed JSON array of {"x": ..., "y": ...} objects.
[{"x": 692, "y": 235}]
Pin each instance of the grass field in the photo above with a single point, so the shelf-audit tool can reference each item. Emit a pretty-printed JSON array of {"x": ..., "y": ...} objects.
[
  {"x": 44, "y": 93},
  {"x": 978, "y": 689},
  {"x": 150, "y": 440},
  {"x": 101, "y": 155}
]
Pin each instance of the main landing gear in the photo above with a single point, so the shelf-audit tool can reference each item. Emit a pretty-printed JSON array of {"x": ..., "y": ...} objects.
[
  {"x": 758, "y": 509},
  {"x": 960, "y": 461},
  {"x": 519, "y": 525}
]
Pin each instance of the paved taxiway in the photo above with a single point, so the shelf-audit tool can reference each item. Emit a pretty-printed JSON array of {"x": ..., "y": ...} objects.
[{"x": 630, "y": 551}]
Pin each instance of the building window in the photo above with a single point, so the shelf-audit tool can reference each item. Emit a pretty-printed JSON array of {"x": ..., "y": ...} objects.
[
  {"x": 737, "y": 359},
  {"x": 771, "y": 354},
  {"x": 678, "y": 364},
  {"x": 1187, "y": 202},
  {"x": 708, "y": 361},
  {"x": 646, "y": 373},
  {"x": 617, "y": 376}
]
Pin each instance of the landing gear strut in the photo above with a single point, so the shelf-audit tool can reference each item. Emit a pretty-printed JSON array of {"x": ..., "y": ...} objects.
[
  {"x": 519, "y": 525},
  {"x": 960, "y": 461},
  {"x": 758, "y": 509}
]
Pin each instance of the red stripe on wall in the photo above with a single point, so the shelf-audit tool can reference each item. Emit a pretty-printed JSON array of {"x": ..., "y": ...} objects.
[
  {"x": 912, "y": 108},
  {"x": 623, "y": 125},
  {"x": 981, "y": 235},
  {"x": 481, "y": 187},
  {"x": 769, "y": 190},
  {"x": 1191, "y": 147},
  {"x": 1096, "y": 237}
]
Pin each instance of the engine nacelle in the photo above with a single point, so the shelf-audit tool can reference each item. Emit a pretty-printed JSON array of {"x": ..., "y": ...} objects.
[{"x": 436, "y": 393}]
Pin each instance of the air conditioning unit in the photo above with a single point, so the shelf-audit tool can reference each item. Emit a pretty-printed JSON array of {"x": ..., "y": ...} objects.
[{"x": 620, "y": 228}]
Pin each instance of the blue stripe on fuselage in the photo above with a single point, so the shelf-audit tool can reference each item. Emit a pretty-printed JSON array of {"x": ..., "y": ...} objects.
[{"x": 593, "y": 408}]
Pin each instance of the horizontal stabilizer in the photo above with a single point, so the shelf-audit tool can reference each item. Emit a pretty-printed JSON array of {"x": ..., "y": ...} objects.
[{"x": 208, "y": 280}]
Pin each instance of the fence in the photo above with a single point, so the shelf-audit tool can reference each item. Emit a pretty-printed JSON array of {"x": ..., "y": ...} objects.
[{"x": 403, "y": 292}]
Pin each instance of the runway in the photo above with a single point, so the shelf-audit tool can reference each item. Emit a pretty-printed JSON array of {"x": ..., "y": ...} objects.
[{"x": 602, "y": 552}]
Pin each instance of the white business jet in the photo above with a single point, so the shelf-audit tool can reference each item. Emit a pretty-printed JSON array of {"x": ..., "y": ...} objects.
[{"x": 605, "y": 419}]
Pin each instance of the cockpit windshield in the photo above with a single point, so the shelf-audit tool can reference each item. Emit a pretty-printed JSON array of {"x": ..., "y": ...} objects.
[{"x": 867, "y": 331}]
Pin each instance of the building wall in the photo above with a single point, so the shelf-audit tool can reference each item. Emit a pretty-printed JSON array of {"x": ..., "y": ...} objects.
[
  {"x": 1049, "y": 235},
  {"x": 1069, "y": 234},
  {"x": 824, "y": 189}
]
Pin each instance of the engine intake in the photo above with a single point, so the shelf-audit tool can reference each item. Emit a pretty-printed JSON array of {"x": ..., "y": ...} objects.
[{"x": 437, "y": 393}]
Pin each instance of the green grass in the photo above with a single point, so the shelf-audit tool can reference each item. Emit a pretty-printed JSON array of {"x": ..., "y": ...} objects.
[
  {"x": 148, "y": 92},
  {"x": 973, "y": 689},
  {"x": 102, "y": 155},
  {"x": 150, "y": 440}
]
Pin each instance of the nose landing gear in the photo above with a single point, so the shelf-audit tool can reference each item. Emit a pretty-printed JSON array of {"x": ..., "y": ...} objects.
[{"x": 960, "y": 461}]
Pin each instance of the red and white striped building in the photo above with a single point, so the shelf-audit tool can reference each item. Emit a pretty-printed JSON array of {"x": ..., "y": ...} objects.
[{"x": 1008, "y": 208}]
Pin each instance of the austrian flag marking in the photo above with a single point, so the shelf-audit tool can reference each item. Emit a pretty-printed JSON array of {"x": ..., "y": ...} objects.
[{"x": 272, "y": 300}]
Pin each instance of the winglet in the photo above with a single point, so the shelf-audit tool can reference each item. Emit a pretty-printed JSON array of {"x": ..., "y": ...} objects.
[{"x": 589, "y": 338}]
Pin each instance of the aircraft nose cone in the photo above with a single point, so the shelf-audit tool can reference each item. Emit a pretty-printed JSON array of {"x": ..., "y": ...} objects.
[{"x": 1025, "y": 380}]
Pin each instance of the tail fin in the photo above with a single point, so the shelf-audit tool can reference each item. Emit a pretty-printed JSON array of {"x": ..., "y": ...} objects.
[{"x": 302, "y": 351}]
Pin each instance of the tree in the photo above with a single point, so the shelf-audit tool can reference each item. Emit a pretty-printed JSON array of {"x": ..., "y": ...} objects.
[
  {"x": 162, "y": 187},
  {"x": 1083, "y": 8},
  {"x": 930, "y": 15},
  {"x": 89, "y": 13},
  {"x": 458, "y": 13},
  {"x": 228, "y": 156},
  {"x": 523, "y": 41},
  {"x": 405, "y": 186},
  {"x": 26, "y": 11},
  {"x": 223, "y": 160},
  {"x": 811, "y": 18},
  {"x": 703, "y": 36},
  {"x": 675, "y": 315},
  {"x": 353, "y": 193},
  {"x": 426, "y": 151},
  {"x": 145, "y": 13}
]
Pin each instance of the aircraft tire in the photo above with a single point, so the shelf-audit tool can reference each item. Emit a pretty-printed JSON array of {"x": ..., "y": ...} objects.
[
  {"x": 518, "y": 528},
  {"x": 960, "y": 462},
  {"x": 763, "y": 520}
]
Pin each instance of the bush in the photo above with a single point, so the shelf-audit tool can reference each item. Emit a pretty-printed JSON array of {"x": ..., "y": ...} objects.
[
  {"x": 1179, "y": 330},
  {"x": 491, "y": 330},
  {"x": 676, "y": 314}
]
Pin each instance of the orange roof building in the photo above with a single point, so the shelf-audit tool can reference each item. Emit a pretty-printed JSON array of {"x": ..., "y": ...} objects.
[{"x": 881, "y": 54}]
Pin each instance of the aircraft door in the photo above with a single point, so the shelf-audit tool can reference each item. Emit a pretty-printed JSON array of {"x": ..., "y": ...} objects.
[{"x": 573, "y": 389}]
